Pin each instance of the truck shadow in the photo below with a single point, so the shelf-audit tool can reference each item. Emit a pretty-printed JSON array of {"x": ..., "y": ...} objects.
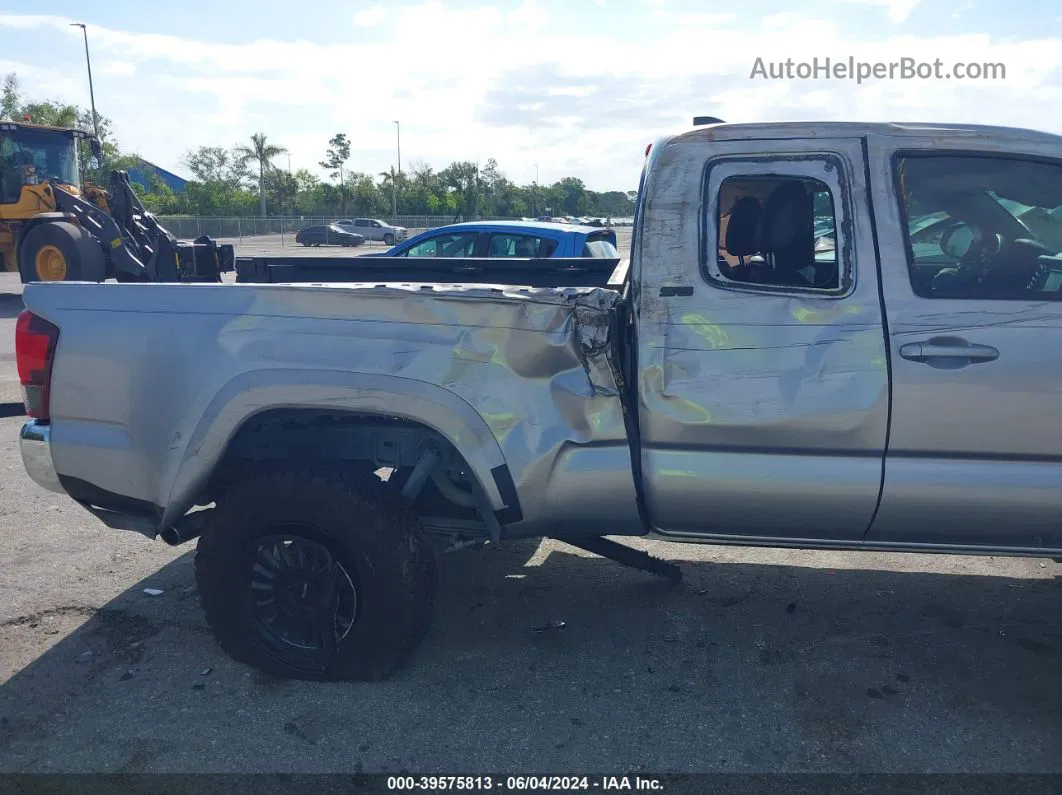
[{"x": 745, "y": 666}]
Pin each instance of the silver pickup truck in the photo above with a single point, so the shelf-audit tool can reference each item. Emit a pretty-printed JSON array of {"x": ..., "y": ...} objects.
[{"x": 827, "y": 336}]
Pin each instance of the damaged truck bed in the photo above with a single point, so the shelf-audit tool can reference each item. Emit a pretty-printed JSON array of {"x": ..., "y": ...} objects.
[{"x": 827, "y": 336}]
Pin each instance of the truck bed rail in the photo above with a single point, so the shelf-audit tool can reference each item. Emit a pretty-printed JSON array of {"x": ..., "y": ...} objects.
[{"x": 573, "y": 272}]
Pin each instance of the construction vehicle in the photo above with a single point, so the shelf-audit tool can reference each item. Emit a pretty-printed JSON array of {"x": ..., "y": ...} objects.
[{"x": 54, "y": 229}]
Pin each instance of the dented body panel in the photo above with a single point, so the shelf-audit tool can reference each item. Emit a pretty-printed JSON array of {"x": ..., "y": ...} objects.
[
  {"x": 147, "y": 398},
  {"x": 738, "y": 388}
]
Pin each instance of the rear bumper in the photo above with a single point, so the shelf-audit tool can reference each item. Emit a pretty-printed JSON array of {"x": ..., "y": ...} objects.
[{"x": 35, "y": 444}]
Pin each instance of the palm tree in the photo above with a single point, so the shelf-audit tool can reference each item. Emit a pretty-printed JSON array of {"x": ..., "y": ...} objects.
[
  {"x": 391, "y": 177},
  {"x": 260, "y": 152}
]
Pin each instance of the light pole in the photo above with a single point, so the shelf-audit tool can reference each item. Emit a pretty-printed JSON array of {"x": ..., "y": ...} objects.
[
  {"x": 92, "y": 93},
  {"x": 394, "y": 177},
  {"x": 394, "y": 196},
  {"x": 534, "y": 193}
]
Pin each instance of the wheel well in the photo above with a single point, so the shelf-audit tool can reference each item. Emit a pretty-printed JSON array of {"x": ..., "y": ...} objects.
[{"x": 361, "y": 444}]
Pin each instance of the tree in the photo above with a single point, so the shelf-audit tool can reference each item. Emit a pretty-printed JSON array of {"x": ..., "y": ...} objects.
[
  {"x": 282, "y": 188},
  {"x": 261, "y": 152},
  {"x": 463, "y": 179},
  {"x": 390, "y": 181},
  {"x": 368, "y": 199},
  {"x": 51, "y": 113},
  {"x": 337, "y": 154},
  {"x": 309, "y": 194},
  {"x": 10, "y": 98},
  {"x": 91, "y": 170},
  {"x": 216, "y": 164},
  {"x": 423, "y": 174},
  {"x": 158, "y": 199}
]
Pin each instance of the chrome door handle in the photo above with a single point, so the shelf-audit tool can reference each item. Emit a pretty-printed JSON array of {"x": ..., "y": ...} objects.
[{"x": 928, "y": 351}]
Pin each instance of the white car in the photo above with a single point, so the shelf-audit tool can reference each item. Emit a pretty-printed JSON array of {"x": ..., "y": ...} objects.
[{"x": 372, "y": 229}]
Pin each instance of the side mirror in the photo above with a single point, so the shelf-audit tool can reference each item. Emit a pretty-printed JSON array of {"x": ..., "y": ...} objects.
[
  {"x": 957, "y": 241},
  {"x": 97, "y": 149}
]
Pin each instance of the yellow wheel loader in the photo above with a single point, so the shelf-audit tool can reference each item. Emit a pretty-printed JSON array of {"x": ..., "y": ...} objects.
[{"x": 54, "y": 229}]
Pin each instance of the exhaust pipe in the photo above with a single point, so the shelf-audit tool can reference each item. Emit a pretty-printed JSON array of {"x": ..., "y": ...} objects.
[{"x": 188, "y": 527}]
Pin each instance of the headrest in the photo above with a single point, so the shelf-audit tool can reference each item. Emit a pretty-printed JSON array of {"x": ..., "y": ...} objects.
[
  {"x": 789, "y": 225},
  {"x": 743, "y": 226}
]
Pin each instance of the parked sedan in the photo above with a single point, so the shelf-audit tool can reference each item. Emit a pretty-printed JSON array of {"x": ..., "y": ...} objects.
[
  {"x": 327, "y": 235},
  {"x": 527, "y": 239}
]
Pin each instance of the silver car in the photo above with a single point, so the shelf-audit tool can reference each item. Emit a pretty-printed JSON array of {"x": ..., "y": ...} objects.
[{"x": 373, "y": 229}]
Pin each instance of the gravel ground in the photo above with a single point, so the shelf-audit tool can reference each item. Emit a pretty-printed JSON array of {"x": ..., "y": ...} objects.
[{"x": 762, "y": 660}]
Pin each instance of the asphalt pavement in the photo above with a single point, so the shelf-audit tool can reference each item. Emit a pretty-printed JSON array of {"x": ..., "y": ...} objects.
[{"x": 762, "y": 660}]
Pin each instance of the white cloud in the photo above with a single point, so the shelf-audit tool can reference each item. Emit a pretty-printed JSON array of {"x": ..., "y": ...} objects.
[
  {"x": 700, "y": 18},
  {"x": 529, "y": 14},
  {"x": 575, "y": 99},
  {"x": 898, "y": 10},
  {"x": 118, "y": 68},
  {"x": 30, "y": 21},
  {"x": 45, "y": 82},
  {"x": 370, "y": 17}
]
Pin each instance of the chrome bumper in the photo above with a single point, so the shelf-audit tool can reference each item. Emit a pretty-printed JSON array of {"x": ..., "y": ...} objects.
[{"x": 34, "y": 440}]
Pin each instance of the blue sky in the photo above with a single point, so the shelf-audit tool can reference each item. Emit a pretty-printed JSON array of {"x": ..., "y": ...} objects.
[{"x": 578, "y": 86}]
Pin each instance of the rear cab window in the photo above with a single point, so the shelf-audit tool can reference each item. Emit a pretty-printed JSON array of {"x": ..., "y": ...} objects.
[{"x": 775, "y": 227}]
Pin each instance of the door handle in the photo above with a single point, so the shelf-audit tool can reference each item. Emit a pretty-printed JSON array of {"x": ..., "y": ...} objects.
[{"x": 929, "y": 351}]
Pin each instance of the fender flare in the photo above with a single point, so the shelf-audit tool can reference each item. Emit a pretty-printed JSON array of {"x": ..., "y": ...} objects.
[{"x": 257, "y": 391}]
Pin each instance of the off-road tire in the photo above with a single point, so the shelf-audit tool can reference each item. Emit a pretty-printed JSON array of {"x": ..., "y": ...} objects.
[
  {"x": 84, "y": 257},
  {"x": 373, "y": 534}
]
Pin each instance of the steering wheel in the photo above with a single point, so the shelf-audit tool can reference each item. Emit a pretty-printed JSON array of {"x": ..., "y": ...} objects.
[
  {"x": 983, "y": 248},
  {"x": 971, "y": 262},
  {"x": 1026, "y": 248}
]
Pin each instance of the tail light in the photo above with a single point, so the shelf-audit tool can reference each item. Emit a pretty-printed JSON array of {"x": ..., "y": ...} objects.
[{"x": 35, "y": 340}]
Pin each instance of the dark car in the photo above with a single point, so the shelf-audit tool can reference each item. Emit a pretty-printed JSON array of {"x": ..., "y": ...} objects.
[{"x": 327, "y": 235}]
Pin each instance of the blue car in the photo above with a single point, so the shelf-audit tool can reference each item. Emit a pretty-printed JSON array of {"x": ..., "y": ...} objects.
[{"x": 509, "y": 239}]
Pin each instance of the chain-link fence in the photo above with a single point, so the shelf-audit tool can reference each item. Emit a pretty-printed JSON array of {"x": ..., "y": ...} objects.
[{"x": 281, "y": 231}]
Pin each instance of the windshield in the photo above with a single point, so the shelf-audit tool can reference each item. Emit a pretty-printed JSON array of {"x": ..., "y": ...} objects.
[
  {"x": 1043, "y": 222},
  {"x": 31, "y": 157}
]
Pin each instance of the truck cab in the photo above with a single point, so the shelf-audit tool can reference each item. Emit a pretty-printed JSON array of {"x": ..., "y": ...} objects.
[{"x": 864, "y": 316}]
